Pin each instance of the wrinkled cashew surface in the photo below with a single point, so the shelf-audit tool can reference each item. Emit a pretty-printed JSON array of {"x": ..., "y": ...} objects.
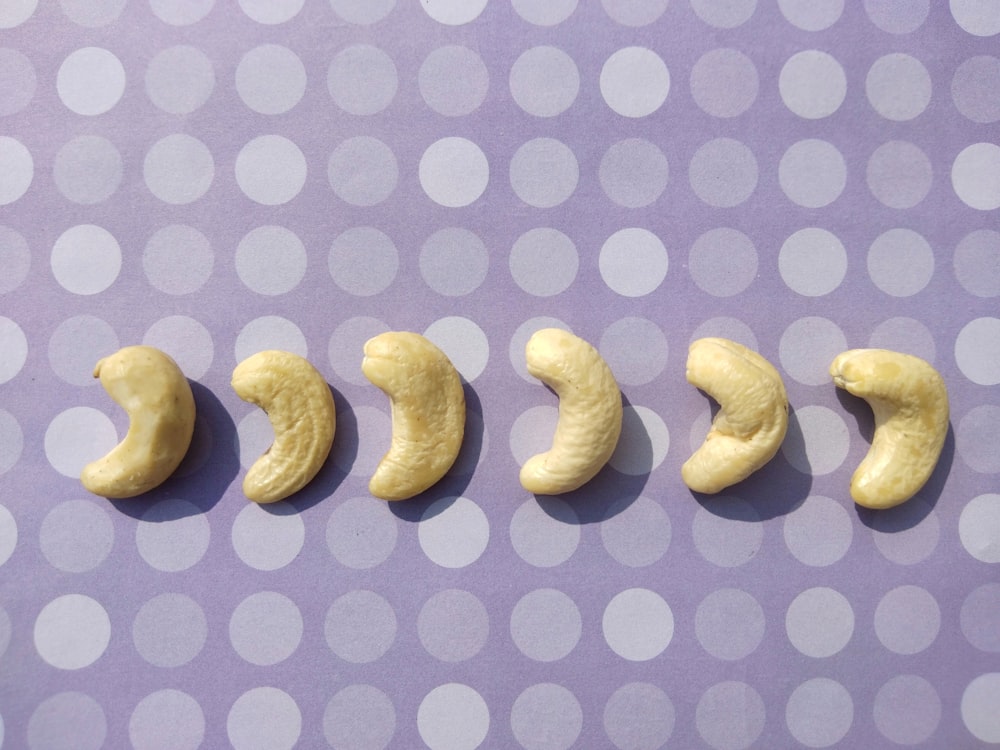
[
  {"x": 590, "y": 412},
  {"x": 299, "y": 404},
  {"x": 428, "y": 412},
  {"x": 909, "y": 400},
  {"x": 157, "y": 397},
  {"x": 752, "y": 419}
]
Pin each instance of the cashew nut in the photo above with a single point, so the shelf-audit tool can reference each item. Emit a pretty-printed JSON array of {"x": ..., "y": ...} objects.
[
  {"x": 590, "y": 412},
  {"x": 151, "y": 388},
  {"x": 910, "y": 403},
  {"x": 299, "y": 404},
  {"x": 428, "y": 412},
  {"x": 752, "y": 418}
]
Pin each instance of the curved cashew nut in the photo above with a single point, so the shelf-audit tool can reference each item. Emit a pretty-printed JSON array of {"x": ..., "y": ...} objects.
[
  {"x": 428, "y": 412},
  {"x": 299, "y": 405},
  {"x": 910, "y": 403},
  {"x": 590, "y": 412},
  {"x": 151, "y": 388},
  {"x": 752, "y": 418}
]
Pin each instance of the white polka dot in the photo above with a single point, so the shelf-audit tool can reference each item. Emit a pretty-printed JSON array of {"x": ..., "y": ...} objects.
[
  {"x": 546, "y": 717},
  {"x": 977, "y": 263},
  {"x": 633, "y": 173},
  {"x": 346, "y": 348},
  {"x": 977, "y": 351},
  {"x": 8, "y": 535},
  {"x": 639, "y": 716},
  {"x": 360, "y": 457},
  {"x": 453, "y": 717},
  {"x": 729, "y": 535},
  {"x": 14, "y": 345},
  {"x": 363, "y": 12},
  {"x": 908, "y": 533},
  {"x": 363, "y": 261},
  {"x": 518, "y": 343},
  {"x": 169, "y": 630},
  {"x": 180, "y": 79},
  {"x": 812, "y": 173},
  {"x": 172, "y": 536},
  {"x": 453, "y": 81},
  {"x": 90, "y": 81},
  {"x": 819, "y": 712},
  {"x": 545, "y": 532},
  {"x": 178, "y": 259},
  {"x": 818, "y": 440},
  {"x": 271, "y": 260},
  {"x": 15, "y": 12},
  {"x": 88, "y": 169},
  {"x": 976, "y": 436},
  {"x": 635, "y": 350},
  {"x": 86, "y": 259},
  {"x": 453, "y": 625},
  {"x": 807, "y": 348},
  {"x": 463, "y": 342},
  {"x": 897, "y": 16},
  {"x": 729, "y": 624},
  {"x": 975, "y": 176},
  {"x": 904, "y": 335},
  {"x": 67, "y": 721},
  {"x": 11, "y": 441},
  {"x": 268, "y": 539},
  {"x": 544, "y": 12},
  {"x": 977, "y": 618},
  {"x": 544, "y": 172},
  {"x": 264, "y": 718},
  {"x": 811, "y": 15},
  {"x": 975, "y": 89},
  {"x": 819, "y": 622},
  {"x": 361, "y": 533},
  {"x": 72, "y": 632},
  {"x": 271, "y": 170},
  {"x": 812, "y": 84},
  {"x": 633, "y": 262},
  {"x": 979, "y": 528},
  {"x": 981, "y": 707},
  {"x": 453, "y": 12},
  {"x": 544, "y": 262},
  {"x": 532, "y": 432},
  {"x": 907, "y": 620},
  {"x": 643, "y": 443},
  {"x": 728, "y": 328},
  {"x": 634, "y": 12},
  {"x": 546, "y": 625},
  {"x": 900, "y": 262},
  {"x": 265, "y": 628},
  {"x": 270, "y": 332},
  {"x": 15, "y": 259},
  {"x": 359, "y": 715},
  {"x": 724, "y": 15},
  {"x": 898, "y": 87},
  {"x": 18, "y": 169},
  {"x": 178, "y": 169},
  {"x": 730, "y": 716},
  {"x": 453, "y": 532},
  {"x": 76, "y": 536},
  {"x": 77, "y": 436},
  {"x": 635, "y": 82},
  {"x": 637, "y": 624},
  {"x": 907, "y": 710},
  {"x": 271, "y": 12},
  {"x": 899, "y": 174},
  {"x": 270, "y": 79},
  {"x": 362, "y": 80},
  {"x": 18, "y": 81},
  {"x": 977, "y": 17},
  {"x": 812, "y": 262},
  {"x": 360, "y": 627},
  {"x": 544, "y": 81},
  {"x": 723, "y": 262},
  {"x": 723, "y": 173},
  {"x": 167, "y": 718},
  {"x": 362, "y": 171},
  {"x": 454, "y": 261},
  {"x": 92, "y": 13},
  {"x": 818, "y": 533},
  {"x": 186, "y": 340},
  {"x": 724, "y": 82},
  {"x": 181, "y": 13}
]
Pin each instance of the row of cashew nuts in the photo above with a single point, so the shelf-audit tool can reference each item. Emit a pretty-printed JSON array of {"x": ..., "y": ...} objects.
[{"x": 907, "y": 395}]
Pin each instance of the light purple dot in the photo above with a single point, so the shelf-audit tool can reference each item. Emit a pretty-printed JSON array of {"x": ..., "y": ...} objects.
[
  {"x": 92, "y": 13},
  {"x": 730, "y": 534},
  {"x": 359, "y": 716},
  {"x": 638, "y": 624},
  {"x": 271, "y": 170},
  {"x": 86, "y": 259},
  {"x": 900, "y": 262},
  {"x": 643, "y": 444},
  {"x": 819, "y": 622},
  {"x": 633, "y": 173},
  {"x": 727, "y": 328},
  {"x": 72, "y": 632},
  {"x": 544, "y": 12},
  {"x": 363, "y": 261},
  {"x": 899, "y": 174},
  {"x": 270, "y": 79},
  {"x": 729, "y": 624},
  {"x": 812, "y": 173},
  {"x": 346, "y": 347},
  {"x": 363, "y": 171},
  {"x": 453, "y": 81},
  {"x": 271, "y": 12},
  {"x": 977, "y": 17},
  {"x": 635, "y": 349},
  {"x": 88, "y": 169},
  {"x": 16, "y": 12},
  {"x": 454, "y": 261},
  {"x": 15, "y": 259},
  {"x": 11, "y": 441},
  {"x": 268, "y": 539},
  {"x": 975, "y": 176},
  {"x": 76, "y": 436},
  {"x": 17, "y": 81},
  {"x": 818, "y": 533},
  {"x": 545, "y": 625},
  {"x": 453, "y": 625},
  {"x": 362, "y": 80},
  {"x": 77, "y": 344},
  {"x": 724, "y": 82},
  {"x": 544, "y": 81},
  {"x": 178, "y": 259},
  {"x": 639, "y": 716},
  {"x": 167, "y": 718},
  {"x": 173, "y": 535},
  {"x": 898, "y": 87},
  {"x": 724, "y": 15},
  {"x": 181, "y": 14},
  {"x": 977, "y": 351},
  {"x": 361, "y": 533},
  {"x": 180, "y": 79},
  {"x": 186, "y": 340},
  {"x": 979, "y": 528},
  {"x": 636, "y": 533},
  {"x": 265, "y": 628},
  {"x": 811, "y": 15},
  {"x": 979, "y": 616},
  {"x": 634, "y": 82},
  {"x": 454, "y": 172},
  {"x": 76, "y": 536},
  {"x": 908, "y": 533},
  {"x": 453, "y": 716},
  {"x": 730, "y": 716},
  {"x": 633, "y": 262},
  {"x": 977, "y": 263},
  {"x": 977, "y": 436},
  {"x": 812, "y": 84},
  {"x": 723, "y": 262},
  {"x": 906, "y": 335},
  {"x": 544, "y": 262},
  {"x": 723, "y": 173},
  {"x": 812, "y": 262},
  {"x": 67, "y": 721},
  {"x": 264, "y": 718},
  {"x": 363, "y": 12},
  {"x": 90, "y": 81},
  {"x": 907, "y": 710},
  {"x": 975, "y": 89},
  {"x": 169, "y": 630},
  {"x": 819, "y": 712},
  {"x": 516, "y": 354},
  {"x": 271, "y": 260},
  {"x": 360, "y": 626},
  {"x": 6, "y": 630},
  {"x": 19, "y": 169},
  {"x": 907, "y": 620},
  {"x": 544, "y": 172},
  {"x": 545, "y": 532},
  {"x": 808, "y": 346},
  {"x": 178, "y": 169},
  {"x": 634, "y": 12},
  {"x": 897, "y": 16},
  {"x": 546, "y": 716},
  {"x": 8, "y": 534}
]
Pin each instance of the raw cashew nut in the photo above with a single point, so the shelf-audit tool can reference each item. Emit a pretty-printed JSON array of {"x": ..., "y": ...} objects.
[
  {"x": 300, "y": 406},
  {"x": 428, "y": 412},
  {"x": 752, "y": 418},
  {"x": 157, "y": 397},
  {"x": 590, "y": 412},
  {"x": 910, "y": 403}
]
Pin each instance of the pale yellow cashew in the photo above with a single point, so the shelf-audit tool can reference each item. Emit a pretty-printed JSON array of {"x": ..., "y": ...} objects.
[
  {"x": 428, "y": 412},
  {"x": 752, "y": 418},
  {"x": 590, "y": 412},
  {"x": 151, "y": 388},
  {"x": 910, "y": 403},
  {"x": 299, "y": 404}
]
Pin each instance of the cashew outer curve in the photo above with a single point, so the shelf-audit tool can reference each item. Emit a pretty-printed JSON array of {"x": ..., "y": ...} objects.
[
  {"x": 428, "y": 412},
  {"x": 300, "y": 407},
  {"x": 590, "y": 412},
  {"x": 909, "y": 400},
  {"x": 752, "y": 419},
  {"x": 157, "y": 397}
]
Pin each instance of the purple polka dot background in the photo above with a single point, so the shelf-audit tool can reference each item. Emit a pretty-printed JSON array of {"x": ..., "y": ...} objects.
[{"x": 217, "y": 177}]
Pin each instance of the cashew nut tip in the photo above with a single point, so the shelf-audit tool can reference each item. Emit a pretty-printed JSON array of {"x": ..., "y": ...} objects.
[
  {"x": 157, "y": 397},
  {"x": 428, "y": 412},
  {"x": 590, "y": 412},
  {"x": 299, "y": 404},
  {"x": 910, "y": 403},
  {"x": 752, "y": 419}
]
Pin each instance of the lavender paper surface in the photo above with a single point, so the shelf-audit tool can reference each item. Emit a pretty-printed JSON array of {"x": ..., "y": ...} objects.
[{"x": 220, "y": 177}]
